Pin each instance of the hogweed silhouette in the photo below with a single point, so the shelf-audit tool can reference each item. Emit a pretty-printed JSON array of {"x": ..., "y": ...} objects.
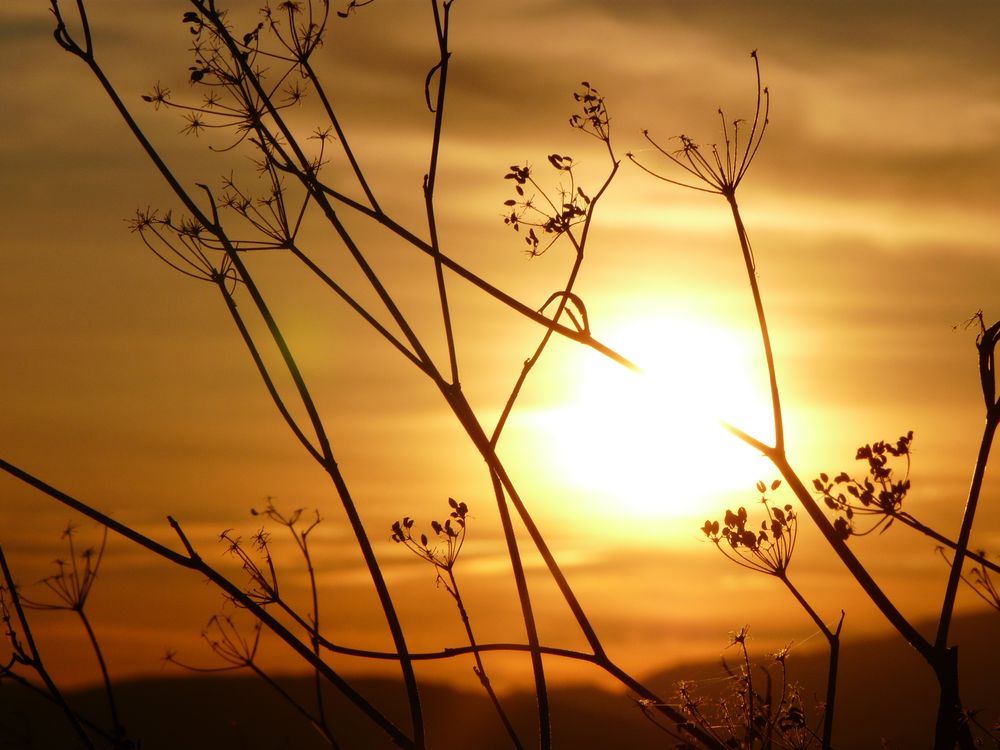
[
  {"x": 250, "y": 80},
  {"x": 748, "y": 716},
  {"x": 768, "y": 549},
  {"x": 442, "y": 552},
  {"x": 247, "y": 82},
  {"x": 720, "y": 171},
  {"x": 68, "y": 590}
]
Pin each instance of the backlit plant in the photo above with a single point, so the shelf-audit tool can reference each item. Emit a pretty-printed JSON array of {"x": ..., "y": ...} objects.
[{"x": 250, "y": 84}]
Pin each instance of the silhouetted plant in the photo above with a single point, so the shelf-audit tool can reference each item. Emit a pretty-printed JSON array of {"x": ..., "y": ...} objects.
[
  {"x": 442, "y": 552},
  {"x": 24, "y": 653},
  {"x": 879, "y": 496},
  {"x": 249, "y": 80},
  {"x": 557, "y": 215},
  {"x": 237, "y": 650},
  {"x": 769, "y": 550},
  {"x": 721, "y": 172},
  {"x": 71, "y": 586},
  {"x": 746, "y": 715},
  {"x": 875, "y": 495}
]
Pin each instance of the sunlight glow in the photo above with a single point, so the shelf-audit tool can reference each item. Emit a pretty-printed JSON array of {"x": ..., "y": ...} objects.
[{"x": 651, "y": 444}]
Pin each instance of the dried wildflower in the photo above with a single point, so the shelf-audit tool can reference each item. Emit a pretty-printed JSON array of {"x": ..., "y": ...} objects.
[
  {"x": 594, "y": 119},
  {"x": 75, "y": 576},
  {"x": 257, "y": 563},
  {"x": 554, "y": 216},
  {"x": 195, "y": 123},
  {"x": 741, "y": 713},
  {"x": 294, "y": 93},
  {"x": 876, "y": 495},
  {"x": 159, "y": 96},
  {"x": 226, "y": 640},
  {"x": 450, "y": 534},
  {"x": 767, "y": 549},
  {"x": 722, "y": 169}
]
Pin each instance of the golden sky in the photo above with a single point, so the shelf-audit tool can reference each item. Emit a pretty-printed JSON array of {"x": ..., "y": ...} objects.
[{"x": 871, "y": 206}]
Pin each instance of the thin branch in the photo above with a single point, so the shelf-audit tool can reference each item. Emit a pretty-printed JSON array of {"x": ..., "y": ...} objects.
[{"x": 226, "y": 586}]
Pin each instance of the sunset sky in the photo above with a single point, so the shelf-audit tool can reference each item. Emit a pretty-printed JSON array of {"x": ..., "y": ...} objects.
[{"x": 872, "y": 207}]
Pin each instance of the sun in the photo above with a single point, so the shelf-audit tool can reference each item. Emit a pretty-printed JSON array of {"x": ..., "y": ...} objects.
[{"x": 651, "y": 444}]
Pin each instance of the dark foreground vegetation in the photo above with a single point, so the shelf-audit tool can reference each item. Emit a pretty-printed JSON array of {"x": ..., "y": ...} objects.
[{"x": 885, "y": 700}]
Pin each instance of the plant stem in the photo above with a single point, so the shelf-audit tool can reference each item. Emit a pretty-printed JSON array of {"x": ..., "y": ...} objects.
[
  {"x": 779, "y": 431},
  {"x": 527, "y": 614},
  {"x": 314, "y": 592},
  {"x": 913, "y": 523},
  {"x": 341, "y": 135},
  {"x": 230, "y": 589},
  {"x": 776, "y": 454},
  {"x": 833, "y": 639},
  {"x": 951, "y": 725},
  {"x": 579, "y": 246},
  {"x": 263, "y": 371},
  {"x": 962, "y": 544},
  {"x": 34, "y": 660},
  {"x": 116, "y": 726},
  {"x": 480, "y": 667},
  {"x": 441, "y": 19}
]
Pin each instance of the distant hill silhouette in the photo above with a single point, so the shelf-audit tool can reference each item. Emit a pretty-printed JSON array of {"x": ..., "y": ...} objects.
[{"x": 884, "y": 692}]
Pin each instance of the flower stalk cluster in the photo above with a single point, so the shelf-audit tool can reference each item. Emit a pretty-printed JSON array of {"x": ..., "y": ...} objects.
[
  {"x": 442, "y": 552},
  {"x": 769, "y": 548},
  {"x": 746, "y": 714}
]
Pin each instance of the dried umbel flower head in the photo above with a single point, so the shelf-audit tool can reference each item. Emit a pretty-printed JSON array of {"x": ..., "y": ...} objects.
[
  {"x": 443, "y": 550},
  {"x": 74, "y": 577},
  {"x": 594, "y": 119},
  {"x": 721, "y": 169},
  {"x": 554, "y": 216},
  {"x": 557, "y": 212},
  {"x": 768, "y": 549},
  {"x": 879, "y": 494}
]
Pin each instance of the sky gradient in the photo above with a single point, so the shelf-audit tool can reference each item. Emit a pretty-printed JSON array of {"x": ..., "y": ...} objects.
[{"x": 871, "y": 207}]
